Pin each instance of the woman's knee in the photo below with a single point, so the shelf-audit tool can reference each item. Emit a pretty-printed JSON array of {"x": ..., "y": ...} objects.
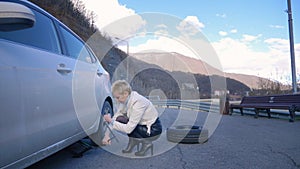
[{"x": 122, "y": 119}]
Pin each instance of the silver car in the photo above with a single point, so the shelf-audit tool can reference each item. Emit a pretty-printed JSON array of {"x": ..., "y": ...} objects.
[{"x": 53, "y": 90}]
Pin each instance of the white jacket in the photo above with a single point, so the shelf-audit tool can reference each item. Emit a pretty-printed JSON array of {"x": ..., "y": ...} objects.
[{"x": 139, "y": 110}]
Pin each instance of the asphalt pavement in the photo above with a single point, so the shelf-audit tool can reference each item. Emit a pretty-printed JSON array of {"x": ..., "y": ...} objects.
[{"x": 237, "y": 142}]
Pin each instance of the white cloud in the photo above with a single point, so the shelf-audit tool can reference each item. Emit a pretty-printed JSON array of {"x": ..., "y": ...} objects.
[
  {"x": 276, "y": 26},
  {"x": 223, "y": 33},
  {"x": 108, "y": 11},
  {"x": 250, "y": 38},
  {"x": 234, "y": 54},
  {"x": 125, "y": 27},
  {"x": 161, "y": 26},
  {"x": 113, "y": 18},
  {"x": 193, "y": 20},
  {"x": 278, "y": 43},
  {"x": 190, "y": 26},
  {"x": 233, "y": 31},
  {"x": 161, "y": 29},
  {"x": 163, "y": 44},
  {"x": 237, "y": 56}
]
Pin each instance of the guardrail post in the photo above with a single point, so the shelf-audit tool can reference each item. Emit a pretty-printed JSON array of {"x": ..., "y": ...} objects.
[{"x": 224, "y": 104}]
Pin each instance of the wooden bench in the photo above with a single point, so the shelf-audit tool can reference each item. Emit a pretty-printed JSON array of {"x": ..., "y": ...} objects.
[{"x": 289, "y": 102}]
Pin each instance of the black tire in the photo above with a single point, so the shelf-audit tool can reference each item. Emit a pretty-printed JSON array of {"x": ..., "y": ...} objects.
[
  {"x": 98, "y": 136},
  {"x": 187, "y": 134}
]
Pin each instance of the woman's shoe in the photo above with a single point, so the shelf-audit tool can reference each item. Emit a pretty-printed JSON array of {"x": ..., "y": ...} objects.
[
  {"x": 131, "y": 144},
  {"x": 145, "y": 147}
]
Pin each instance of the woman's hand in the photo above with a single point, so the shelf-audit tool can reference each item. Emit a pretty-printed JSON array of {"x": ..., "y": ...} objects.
[
  {"x": 107, "y": 117},
  {"x": 106, "y": 139}
]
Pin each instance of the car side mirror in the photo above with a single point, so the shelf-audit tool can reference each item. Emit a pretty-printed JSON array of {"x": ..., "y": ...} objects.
[{"x": 14, "y": 16}]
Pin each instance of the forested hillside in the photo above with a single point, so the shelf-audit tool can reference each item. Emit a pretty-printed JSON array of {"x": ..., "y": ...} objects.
[{"x": 71, "y": 13}]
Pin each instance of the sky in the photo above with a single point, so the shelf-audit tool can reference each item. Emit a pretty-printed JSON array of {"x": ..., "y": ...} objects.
[{"x": 249, "y": 36}]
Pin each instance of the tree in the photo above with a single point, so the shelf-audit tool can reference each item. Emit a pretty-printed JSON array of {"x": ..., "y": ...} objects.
[{"x": 268, "y": 87}]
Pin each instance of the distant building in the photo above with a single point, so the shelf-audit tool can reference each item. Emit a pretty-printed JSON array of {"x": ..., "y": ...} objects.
[{"x": 221, "y": 92}]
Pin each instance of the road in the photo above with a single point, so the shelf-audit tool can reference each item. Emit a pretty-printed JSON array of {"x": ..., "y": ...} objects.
[{"x": 238, "y": 142}]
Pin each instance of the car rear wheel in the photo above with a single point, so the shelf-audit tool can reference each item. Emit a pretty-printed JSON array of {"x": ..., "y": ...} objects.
[{"x": 98, "y": 136}]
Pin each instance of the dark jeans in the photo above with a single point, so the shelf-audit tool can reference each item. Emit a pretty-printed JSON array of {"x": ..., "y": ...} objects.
[{"x": 140, "y": 131}]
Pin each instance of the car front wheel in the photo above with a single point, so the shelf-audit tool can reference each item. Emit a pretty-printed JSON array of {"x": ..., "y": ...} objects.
[{"x": 98, "y": 136}]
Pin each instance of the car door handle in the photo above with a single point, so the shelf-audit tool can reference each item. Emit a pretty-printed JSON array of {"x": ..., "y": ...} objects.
[
  {"x": 62, "y": 69},
  {"x": 99, "y": 72}
]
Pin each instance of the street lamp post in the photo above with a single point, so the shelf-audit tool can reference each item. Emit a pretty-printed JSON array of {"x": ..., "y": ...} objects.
[
  {"x": 293, "y": 65},
  {"x": 127, "y": 43}
]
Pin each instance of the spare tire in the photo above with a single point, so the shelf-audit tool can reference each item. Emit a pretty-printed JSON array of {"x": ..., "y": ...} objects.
[{"x": 187, "y": 134}]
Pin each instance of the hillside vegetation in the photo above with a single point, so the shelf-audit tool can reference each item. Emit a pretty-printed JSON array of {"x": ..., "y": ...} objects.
[{"x": 71, "y": 13}]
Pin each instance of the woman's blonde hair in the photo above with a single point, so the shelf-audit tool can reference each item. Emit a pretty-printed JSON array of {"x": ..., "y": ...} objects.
[{"x": 121, "y": 86}]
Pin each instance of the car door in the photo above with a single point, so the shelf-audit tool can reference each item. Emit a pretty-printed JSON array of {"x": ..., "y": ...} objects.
[
  {"x": 35, "y": 91},
  {"x": 87, "y": 92}
]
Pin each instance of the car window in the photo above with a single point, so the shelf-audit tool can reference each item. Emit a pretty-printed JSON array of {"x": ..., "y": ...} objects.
[
  {"x": 41, "y": 35},
  {"x": 93, "y": 57},
  {"x": 76, "y": 48}
]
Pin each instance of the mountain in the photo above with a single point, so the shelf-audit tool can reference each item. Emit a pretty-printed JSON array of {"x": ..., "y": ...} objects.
[
  {"x": 177, "y": 62},
  {"x": 254, "y": 82},
  {"x": 150, "y": 79}
]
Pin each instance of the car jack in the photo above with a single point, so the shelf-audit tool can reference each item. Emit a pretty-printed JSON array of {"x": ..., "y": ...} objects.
[{"x": 84, "y": 147}]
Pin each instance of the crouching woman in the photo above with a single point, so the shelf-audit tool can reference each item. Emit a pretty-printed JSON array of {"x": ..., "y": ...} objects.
[{"x": 136, "y": 116}]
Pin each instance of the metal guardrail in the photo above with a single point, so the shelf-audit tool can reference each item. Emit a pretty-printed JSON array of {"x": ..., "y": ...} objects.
[
  {"x": 207, "y": 105},
  {"x": 212, "y": 105}
]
